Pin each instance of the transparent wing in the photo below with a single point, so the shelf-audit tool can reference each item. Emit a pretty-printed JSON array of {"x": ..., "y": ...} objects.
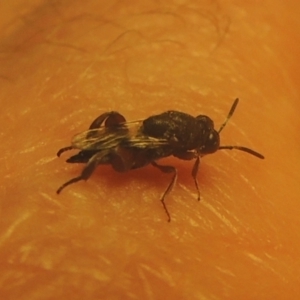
[{"x": 128, "y": 135}]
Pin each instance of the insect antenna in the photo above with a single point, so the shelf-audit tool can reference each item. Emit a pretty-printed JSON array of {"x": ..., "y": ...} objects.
[
  {"x": 245, "y": 149},
  {"x": 241, "y": 148},
  {"x": 232, "y": 109}
]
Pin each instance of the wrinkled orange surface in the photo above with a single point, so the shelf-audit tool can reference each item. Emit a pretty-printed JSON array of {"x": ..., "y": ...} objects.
[{"x": 65, "y": 63}]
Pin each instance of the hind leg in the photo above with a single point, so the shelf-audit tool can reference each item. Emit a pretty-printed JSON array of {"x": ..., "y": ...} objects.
[{"x": 99, "y": 158}]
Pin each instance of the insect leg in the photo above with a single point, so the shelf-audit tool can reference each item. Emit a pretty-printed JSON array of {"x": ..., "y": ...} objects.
[
  {"x": 88, "y": 170},
  {"x": 111, "y": 118},
  {"x": 62, "y": 150},
  {"x": 194, "y": 174},
  {"x": 167, "y": 169}
]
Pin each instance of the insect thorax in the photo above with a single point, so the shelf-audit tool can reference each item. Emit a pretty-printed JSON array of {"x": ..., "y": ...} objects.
[{"x": 181, "y": 130}]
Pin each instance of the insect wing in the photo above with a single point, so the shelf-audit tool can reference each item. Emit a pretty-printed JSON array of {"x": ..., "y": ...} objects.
[
  {"x": 94, "y": 139},
  {"x": 105, "y": 137},
  {"x": 128, "y": 134},
  {"x": 145, "y": 142}
]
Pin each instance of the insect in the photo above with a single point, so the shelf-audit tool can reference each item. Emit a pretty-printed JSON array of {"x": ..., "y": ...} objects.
[{"x": 110, "y": 140}]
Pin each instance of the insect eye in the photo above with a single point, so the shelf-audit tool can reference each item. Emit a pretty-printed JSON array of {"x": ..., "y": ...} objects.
[{"x": 212, "y": 143}]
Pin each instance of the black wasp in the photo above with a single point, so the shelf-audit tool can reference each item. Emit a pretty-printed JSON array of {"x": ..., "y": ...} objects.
[{"x": 126, "y": 146}]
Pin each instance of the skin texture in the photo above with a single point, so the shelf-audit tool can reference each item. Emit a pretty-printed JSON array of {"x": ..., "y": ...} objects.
[{"x": 65, "y": 63}]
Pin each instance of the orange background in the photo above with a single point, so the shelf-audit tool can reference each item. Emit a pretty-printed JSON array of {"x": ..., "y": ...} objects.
[{"x": 63, "y": 63}]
